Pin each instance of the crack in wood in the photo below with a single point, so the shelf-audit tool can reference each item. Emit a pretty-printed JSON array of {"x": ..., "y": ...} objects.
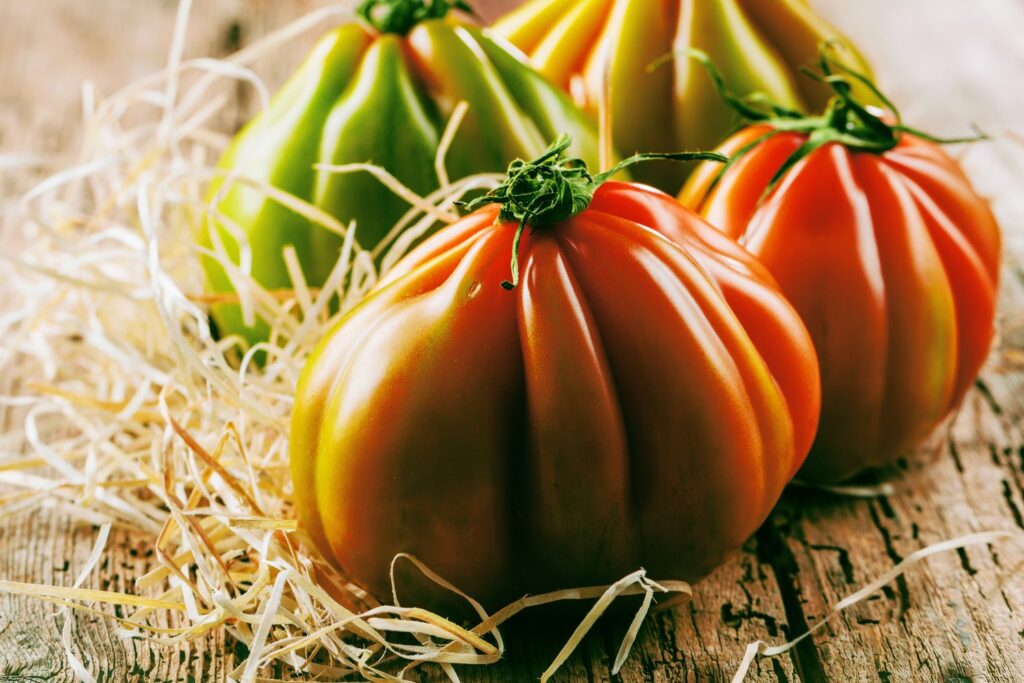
[
  {"x": 1014, "y": 510},
  {"x": 774, "y": 552},
  {"x": 982, "y": 386},
  {"x": 954, "y": 453},
  {"x": 842, "y": 556},
  {"x": 890, "y": 550},
  {"x": 965, "y": 562},
  {"x": 735, "y": 618}
]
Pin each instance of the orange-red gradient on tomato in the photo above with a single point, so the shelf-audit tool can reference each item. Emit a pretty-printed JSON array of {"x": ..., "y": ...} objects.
[
  {"x": 634, "y": 402},
  {"x": 892, "y": 260}
]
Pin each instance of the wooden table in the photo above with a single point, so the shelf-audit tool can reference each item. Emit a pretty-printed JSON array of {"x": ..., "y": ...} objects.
[{"x": 959, "y": 617}]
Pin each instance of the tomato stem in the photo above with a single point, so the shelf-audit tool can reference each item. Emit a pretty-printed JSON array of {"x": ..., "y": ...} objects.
[
  {"x": 845, "y": 120},
  {"x": 400, "y": 16},
  {"x": 553, "y": 188}
]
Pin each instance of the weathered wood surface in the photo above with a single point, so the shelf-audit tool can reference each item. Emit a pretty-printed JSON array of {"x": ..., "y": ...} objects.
[{"x": 959, "y": 617}]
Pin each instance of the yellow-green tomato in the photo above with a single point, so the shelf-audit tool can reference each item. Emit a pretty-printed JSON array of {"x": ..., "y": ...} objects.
[
  {"x": 379, "y": 90},
  {"x": 634, "y": 54}
]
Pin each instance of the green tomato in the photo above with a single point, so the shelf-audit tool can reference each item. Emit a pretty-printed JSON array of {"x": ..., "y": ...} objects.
[{"x": 366, "y": 95}]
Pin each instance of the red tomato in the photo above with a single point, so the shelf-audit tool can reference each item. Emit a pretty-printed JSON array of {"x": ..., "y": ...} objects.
[
  {"x": 891, "y": 259},
  {"x": 633, "y": 402}
]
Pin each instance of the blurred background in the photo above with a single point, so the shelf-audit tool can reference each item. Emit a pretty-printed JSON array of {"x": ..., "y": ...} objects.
[
  {"x": 935, "y": 56},
  {"x": 947, "y": 63}
]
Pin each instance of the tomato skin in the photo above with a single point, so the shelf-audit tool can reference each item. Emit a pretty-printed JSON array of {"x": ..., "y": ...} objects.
[
  {"x": 892, "y": 260},
  {"x": 613, "y": 411},
  {"x": 760, "y": 46},
  {"x": 365, "y": 96}
]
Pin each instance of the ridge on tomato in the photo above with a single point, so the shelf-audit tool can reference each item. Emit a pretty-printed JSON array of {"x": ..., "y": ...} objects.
[
  {"x": 604, "y": 49},
  {"x": 380, "y": 89},
  {"x": 892, "y": 259},
  {"x": 550, "y": 393}
]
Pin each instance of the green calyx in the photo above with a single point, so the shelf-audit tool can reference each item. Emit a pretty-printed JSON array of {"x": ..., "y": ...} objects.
[
  {"x": 845, "y": 120},
  {"x": 553, "y": 188},
  {"x": 400, "y": 16}
]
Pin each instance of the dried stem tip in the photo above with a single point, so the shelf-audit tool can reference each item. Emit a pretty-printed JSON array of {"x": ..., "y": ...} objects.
[
  {"x": 845, "y": 120},
  {"x": 400, "y": 16},
  {"x": 553, "y": 188}
]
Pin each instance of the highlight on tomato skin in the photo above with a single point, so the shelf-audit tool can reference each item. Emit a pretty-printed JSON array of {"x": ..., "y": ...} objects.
[
  {"x": 891, "y": 258},
  {"x": 760, "y": 46},
  {"x": 631, "y": 401},
  {"x": 378, "y": 90}
]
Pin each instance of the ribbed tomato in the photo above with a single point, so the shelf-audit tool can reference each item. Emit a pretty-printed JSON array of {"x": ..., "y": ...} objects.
[
  {"x": 633, "y": 402},
  {"x": 892, "y": 259},
  {"x": 602, "y": 51},
  {"x": 380, "y": 89}
]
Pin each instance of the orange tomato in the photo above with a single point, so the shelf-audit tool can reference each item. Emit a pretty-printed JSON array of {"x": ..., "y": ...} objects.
[
  {"x": 892, "y": 260},
  {"x": 633, "y": 402}
]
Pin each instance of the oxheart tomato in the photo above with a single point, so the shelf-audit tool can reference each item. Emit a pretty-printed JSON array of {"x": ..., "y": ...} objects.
[
  {"x": 603, "y": 53},
  {"x": 381, "y": 90},
  {"x": 632, "y": 402},
  {"x": 892, "y": 259}
]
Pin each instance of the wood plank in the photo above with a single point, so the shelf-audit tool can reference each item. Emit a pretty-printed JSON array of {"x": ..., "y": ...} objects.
[
  {"x": 960, "y": 617},
  {"x": 69, "y": 42}
]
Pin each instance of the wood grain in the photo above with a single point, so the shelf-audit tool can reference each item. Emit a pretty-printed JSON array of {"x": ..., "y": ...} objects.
[{"x": 959, "y": 617}]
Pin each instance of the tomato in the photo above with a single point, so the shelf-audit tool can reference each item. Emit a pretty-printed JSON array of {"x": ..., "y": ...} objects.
[
  {"x": 632, "y": 401},
  {"x": 892, "y": 259},
  {"x": 760, "y": 45},
  {"x": 378, "y": 90}
]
